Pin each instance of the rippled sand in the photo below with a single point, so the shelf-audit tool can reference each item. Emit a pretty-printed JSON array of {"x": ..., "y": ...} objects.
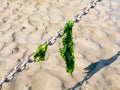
[{"x": 25, "y": 24}]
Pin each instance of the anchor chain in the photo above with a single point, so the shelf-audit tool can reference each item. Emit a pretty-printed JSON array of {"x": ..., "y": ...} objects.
[{"x": 21, "y": 66}]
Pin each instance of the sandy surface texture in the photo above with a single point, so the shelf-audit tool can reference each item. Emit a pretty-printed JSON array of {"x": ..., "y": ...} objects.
[{"x": 25, "y": 24}]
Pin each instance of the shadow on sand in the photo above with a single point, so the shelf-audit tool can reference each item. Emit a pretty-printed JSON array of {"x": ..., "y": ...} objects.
[{"x": 94, "y": 68}]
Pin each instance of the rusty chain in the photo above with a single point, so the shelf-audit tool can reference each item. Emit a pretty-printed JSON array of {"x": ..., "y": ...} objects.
[{"x": 22, "y": 65}]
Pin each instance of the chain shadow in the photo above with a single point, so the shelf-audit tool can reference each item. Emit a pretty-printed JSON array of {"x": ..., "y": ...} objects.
[{"x": 94, "y": 68}]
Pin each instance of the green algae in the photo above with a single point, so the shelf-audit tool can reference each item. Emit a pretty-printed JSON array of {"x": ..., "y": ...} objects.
[
  {"x": 67, "y": 51},
  {"x": 39, "y": 54}
]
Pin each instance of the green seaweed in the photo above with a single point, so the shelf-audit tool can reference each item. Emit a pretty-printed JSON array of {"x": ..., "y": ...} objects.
[
  {"x": 67, "y": 51},
  {"x": 39, "y": 54}
]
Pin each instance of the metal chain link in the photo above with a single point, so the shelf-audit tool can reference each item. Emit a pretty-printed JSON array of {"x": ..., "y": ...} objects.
[
  {"x": 21, "y": 66},
  {"x": 18, "y": 68},
  {"x": 85, "y": 10},
  {"x": 53, "y": 40}
]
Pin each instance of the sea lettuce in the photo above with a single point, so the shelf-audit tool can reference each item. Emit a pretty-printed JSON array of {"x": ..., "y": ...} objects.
[
  {"x": 39, "y": 54},
  {"x": 67, "y": 51}
]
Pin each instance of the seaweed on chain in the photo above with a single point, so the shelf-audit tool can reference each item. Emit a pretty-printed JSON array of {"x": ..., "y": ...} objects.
[
  {"x": 67, "y": 51},
  {"x": 39, "y": 54}
]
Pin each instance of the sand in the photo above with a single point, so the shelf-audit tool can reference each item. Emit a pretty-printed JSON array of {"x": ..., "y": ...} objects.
[{"x": 25, "y": 24}]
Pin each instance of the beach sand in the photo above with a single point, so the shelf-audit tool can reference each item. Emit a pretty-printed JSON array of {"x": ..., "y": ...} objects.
[{"x": 25, "y": 24}]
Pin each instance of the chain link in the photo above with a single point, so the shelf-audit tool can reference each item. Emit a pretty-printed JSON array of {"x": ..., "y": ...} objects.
[
  {"x": 53, "y": 40},
  {"x": 18, "y": 68},
  {"x": 85, "y": 10},
  {"x": 21, "y": 66}
]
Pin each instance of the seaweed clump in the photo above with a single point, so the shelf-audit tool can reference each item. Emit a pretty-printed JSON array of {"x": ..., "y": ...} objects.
[
  {"x": 67, "y": 51},
  {"x": 39, "y": 54}
]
